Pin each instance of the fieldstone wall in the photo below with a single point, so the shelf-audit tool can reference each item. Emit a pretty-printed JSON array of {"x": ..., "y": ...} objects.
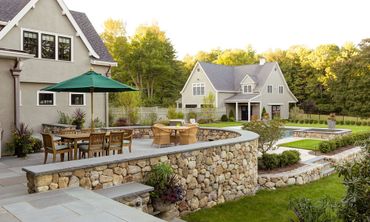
[
  {"x": 218, "y": 172},
  {"x": 140, "y": 202},
  {"x": 55, "y": 128},
  {"x": 353, "y": 154},
  {"x": 319, "y": 135}
]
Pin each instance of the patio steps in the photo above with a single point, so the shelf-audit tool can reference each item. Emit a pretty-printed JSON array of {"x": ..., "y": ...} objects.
[{"x": 125, "y": 190}]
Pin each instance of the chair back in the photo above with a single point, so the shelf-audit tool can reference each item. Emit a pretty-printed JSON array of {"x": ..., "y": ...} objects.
[
  {"x": 193, "y": 131},
  {"x": 128, "y": 134},
  {"x": 87, "y": 130},
  {"x": 96, "y": 141},
  {"x": 48, "y": 142},
  {"x": 67, "y": 131},
  {"x": 115, "y": 140}
]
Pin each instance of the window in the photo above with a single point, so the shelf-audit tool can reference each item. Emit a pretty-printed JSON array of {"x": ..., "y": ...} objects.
[
  {"x": 64, "y": 48},
  {"x": 77, "y": 99},
  {"x": 281, "y": 89},
  {"x": 46, "y": 99},
  {"x": 269, "y": 89},
  {"x": 47, "y": 46},
  {"x": 198, "y": 89},
  {"x": 275, "y": 110},
  {"x": 31, "y": 43},
  {"x": 191, "y": 106},
  {"x": 247, "y": 89}
]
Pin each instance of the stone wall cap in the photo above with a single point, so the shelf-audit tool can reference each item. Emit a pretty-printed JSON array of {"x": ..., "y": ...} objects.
[{"x": 245, "y": 136}]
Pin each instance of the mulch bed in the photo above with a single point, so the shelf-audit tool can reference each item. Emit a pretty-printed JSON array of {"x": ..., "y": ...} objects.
[
  {"x": 318, "y": 153},
  {"x": 281, "y": 170}
]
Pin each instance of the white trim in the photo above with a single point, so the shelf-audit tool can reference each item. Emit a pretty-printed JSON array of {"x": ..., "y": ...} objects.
[
  {"x": 3, "y": 23},
  {"x": 54, "y": 98},
  {"x": 245, "y": 77},
  {"x": 192, "y": 73},
  {"x": 200, "y": 85},
  {"x": 11, "y": 54},
  {"x": 31, "y": 5},
  {"x": 103, "y": 63},
  {"x": 70, "y": 99},
  {"x": 56, "y": 35},
  {"x": 275, "y": 104}
]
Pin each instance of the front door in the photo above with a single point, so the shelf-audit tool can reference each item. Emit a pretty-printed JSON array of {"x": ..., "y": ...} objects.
[
  {"x": 275, "y": 111},
  {"x": 244, "y": 112}
]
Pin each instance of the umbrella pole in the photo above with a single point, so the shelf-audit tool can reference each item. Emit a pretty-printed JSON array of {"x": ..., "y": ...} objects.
[{"x": 92, "y": 110}]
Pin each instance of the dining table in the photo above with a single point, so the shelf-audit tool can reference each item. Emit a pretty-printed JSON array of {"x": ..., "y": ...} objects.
[
  {"x": 175, "y": 129},
  {"x": 74, "y": 138}
]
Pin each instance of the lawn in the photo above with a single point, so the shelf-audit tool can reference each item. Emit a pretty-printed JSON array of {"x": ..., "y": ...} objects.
[
  {"x": 222, "y": 124},
  {"x": 269, "y": 205},
  {"x": 355, "y": 129},
  {"x": 307, "y": 144}
]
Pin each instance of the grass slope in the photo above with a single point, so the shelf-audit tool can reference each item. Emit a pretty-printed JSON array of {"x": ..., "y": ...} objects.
[
  {"x": 269, "y": 205},
  {"x": 307, "y": 144}
]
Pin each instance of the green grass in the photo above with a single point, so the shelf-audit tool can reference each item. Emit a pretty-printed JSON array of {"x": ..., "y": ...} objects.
[
  {"x": 269, "y": 205},
  {"x": 222, "y": 124},
  {"x": 307, "y": 144},
  {"x": 355, "y": 129},
  {"x": 325, "y": 117}
]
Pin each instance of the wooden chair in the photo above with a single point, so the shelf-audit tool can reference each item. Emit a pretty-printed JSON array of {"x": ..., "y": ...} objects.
[
  {"x": 95, "y": 146},
  {"x": 161, "y": 136},
  {"x": 51, "y": 147},
  {"x": 87, "y": 130},
  {"x": 127, "y": 139},
  {"x": 115, "y": 143},
  {"x": 189, "y": 136}
]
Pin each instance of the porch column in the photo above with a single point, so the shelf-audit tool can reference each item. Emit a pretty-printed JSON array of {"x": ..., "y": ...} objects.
[
  {"x": 249, "y": 111},
  {"x": 17, "y": 87},
  {"x": 236, "y": 112}
]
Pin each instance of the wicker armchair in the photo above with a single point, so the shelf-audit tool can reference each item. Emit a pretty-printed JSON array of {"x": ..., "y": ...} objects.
[
  {"x": 161, "y": 136},
  {"x": 189, "y": 136},
  {"x": 115, "y": 143},
  {"x": 127, "y": 139},
  {"x": 95, "y": 146},
  {"x": 51, "y": 147}
]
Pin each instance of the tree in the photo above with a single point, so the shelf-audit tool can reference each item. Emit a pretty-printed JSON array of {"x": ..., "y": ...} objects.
[
  {"x": 208, "y": 106},
  {"x": 130, "y": 102}
]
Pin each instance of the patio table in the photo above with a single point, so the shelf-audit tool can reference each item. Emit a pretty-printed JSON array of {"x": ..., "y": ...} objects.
[
  {"x": 75, "y": 138},
  {"x": 175, "y": 129}
]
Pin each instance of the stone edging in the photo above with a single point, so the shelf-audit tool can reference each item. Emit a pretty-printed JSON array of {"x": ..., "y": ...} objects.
[{"x": 245, "y": 136}]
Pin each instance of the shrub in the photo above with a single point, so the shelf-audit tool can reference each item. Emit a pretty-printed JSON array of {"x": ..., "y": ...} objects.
[
  {"x": 231, "y": 119},
  {"x": 224, "y": 118},
  {"x": 333, "y": 145},
  {"x": 97, "y": 123},
  {"x": 64, "y": 118},
  {"x": 122, "y": 122},
  {"x": 364, "y": 123},
  {"x": 352, "y": 122},
  {"x": 79, "y": 118},
  {"x": 231, "y": 116},
  {"x": 152, "y": 118},
  {"x": 325, "y": 147},
  {"x": 311, "y": 121},
  {"x": 358, "y": 123},
  {"x": 192, "y": 115},
  {"x": 271, "y": 161},
  {"x": 347, "y": 122},
  {"x": 295, "y": 113},
  {"x": 307, "y": 121},
  {"x": 341, "y": 122},
  {"x": 347, "y": 140},
  {"x": 315, "y": 121},
  {"x": 21, "y": 141},
  {"x": 292, "y": 157},
  {"x": 301, "y": 121},
  {"x": 180, "y": 115},
  {"x": 36, "y": 145},
  {"x": 171, "y": 113},
  {"x": 204, "y": 121},
  {"x": 322, "y": 121}
]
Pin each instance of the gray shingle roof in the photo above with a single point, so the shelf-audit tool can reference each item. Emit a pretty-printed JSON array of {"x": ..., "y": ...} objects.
[
  {"x": 228, "y": 78},
  {"x": 10, "y": 8},
  {"x": 241, "y": 97}
]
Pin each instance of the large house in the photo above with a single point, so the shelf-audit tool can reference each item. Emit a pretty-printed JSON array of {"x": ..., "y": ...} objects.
[
  {"x": 42, "y": 42},
  {"x": 243, "y": 89}
]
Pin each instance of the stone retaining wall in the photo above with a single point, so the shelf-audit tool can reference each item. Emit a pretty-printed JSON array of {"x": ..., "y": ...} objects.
[
  {"x": 320, "y": 135},
  {"x": 211, "y": 172}
]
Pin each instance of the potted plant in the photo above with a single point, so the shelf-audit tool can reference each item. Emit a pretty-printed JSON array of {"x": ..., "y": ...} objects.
[
  {"x": 167, "y": 190},
  {"x": 331, "y": 121},
  {"x": 79, "y": 118},
  {"x": 22, "y": 141}
]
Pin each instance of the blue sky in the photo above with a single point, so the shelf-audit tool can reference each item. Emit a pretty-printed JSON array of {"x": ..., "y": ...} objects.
[{"x": 195, "y": 25}]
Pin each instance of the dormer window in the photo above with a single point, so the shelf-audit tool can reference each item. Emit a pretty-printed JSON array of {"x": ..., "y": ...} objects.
[{"x": 247, "y": 89}]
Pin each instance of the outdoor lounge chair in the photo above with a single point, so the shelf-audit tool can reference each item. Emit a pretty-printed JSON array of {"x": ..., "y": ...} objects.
[
  {"x": 115, "y": 143},
  {"x": 51, "y": 147},
  {"x": 161, "y": 136},
  {"x": 189, "y": 136},
  {"x": 95, "y": 146}
]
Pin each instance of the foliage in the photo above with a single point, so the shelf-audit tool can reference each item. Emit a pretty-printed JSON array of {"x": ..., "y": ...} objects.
[
  {"x": 231, "y": 116},
  {"x": 204, "y": 121},
  {"x": 295, "y": 112},
  {"x": 323, "y": 210},
  {"x": 97, "y": 123},
  {"x": 264, "y": 114},
  {"x": 192, "y": 115},
  {"x": 130, "y": 103},
  {"x": 36, "y": 145},
  {"x": 224, "y": 118},
  {"x": 208, "y": 107},
  {"x": 343, "y": 141},
  {"x": 173, "y": 114},
  {"x": 165, "y": 183},
  {"x": 356, "y": 178},
  {"x": 78, "y": 118},
  {"x": 150, "y": 120},
  {"x": 21, "y": 142},
  {"x": 272, "y": 161},
  {"x": 122, "y": 122},
  {"x": 64, "y": 118},
  {"x": 269, "y": 132}
]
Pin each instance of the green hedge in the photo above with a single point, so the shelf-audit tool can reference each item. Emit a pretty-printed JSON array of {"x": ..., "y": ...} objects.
[
  {"x": 339, "y": 122},
  {"x": 343, "y": 141},
  {"x": 273, "y": 161}
]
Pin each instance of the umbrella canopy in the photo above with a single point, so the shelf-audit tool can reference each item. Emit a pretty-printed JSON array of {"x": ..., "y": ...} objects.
[{"x": 91, "y": 82}]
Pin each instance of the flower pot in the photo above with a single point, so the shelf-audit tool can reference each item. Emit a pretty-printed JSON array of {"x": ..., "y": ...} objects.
[{"x": 161, "y": 206}]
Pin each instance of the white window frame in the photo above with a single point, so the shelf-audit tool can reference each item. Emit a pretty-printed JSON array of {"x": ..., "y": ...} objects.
[
  {"x": 54, "y": 98},
  {"x": 282, "y": 89},
  {"x": 70, "y": 98},
  {"x": 56, "y": 35},
  {"x": 272, "y": 89},
  {"x": 248, "y": 92},
  {"x": 200, "y": 85}
]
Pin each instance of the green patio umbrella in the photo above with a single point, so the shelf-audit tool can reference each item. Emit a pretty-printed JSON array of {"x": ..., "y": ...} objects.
[{"x": 90, "y": 82}]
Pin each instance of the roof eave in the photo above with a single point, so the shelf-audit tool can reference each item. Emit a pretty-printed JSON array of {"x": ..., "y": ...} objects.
[{"x": 103, "y": 63}]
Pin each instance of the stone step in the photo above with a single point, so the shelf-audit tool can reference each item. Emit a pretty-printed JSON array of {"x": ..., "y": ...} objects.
[
  {"x": 12, "y": 191},
  {"x": 318, "y": 159},
  {"x": 328, "y": 172},
  {"x": 125, "y": 190}
]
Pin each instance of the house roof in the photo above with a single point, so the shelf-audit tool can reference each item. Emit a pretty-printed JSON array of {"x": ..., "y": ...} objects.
[
  {"x": 241, "y": 98},
  {"x": 228, "y": 78},
  {"x": 10, "y": 8}
]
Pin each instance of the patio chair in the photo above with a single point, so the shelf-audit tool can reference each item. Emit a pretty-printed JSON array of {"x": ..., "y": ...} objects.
[
  {"x": 189, "y": 136},
  {"x": 161, "y": 136},
  {"x": 95, "y": 146},
  {"x": 51, "y": 147},
  {"x": 127, "y": 139},
  {"x": 87, "y": 130},
  {"x": 115, "y": 143}
]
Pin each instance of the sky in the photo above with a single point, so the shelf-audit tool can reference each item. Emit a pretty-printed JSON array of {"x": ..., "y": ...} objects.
[{"x": 195, "y": 25}]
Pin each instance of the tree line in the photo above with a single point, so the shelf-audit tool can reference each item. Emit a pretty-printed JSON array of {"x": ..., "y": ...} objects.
[{"x": 326, "y": 79}]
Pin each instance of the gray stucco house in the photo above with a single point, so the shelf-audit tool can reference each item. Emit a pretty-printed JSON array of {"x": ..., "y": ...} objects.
[
  {"x": 42, "y": 42},
  {"x": 244, "y": 89}
]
